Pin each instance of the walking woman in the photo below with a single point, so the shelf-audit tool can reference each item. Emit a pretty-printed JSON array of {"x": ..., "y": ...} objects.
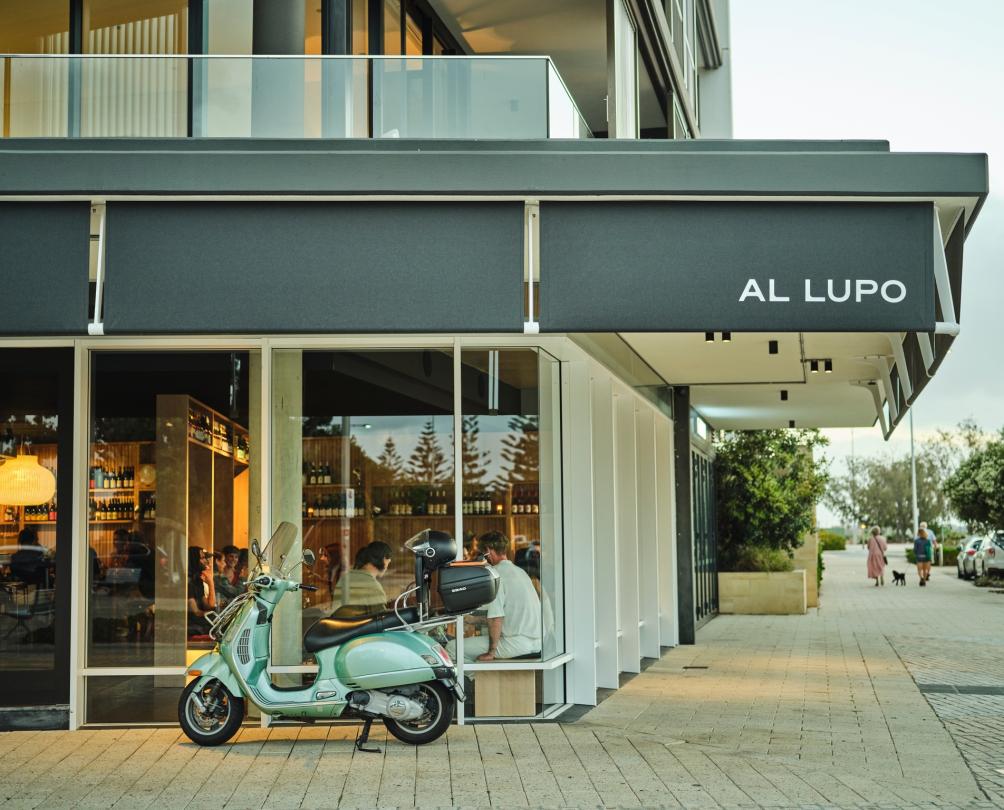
[{"x": 876, "y": 556}]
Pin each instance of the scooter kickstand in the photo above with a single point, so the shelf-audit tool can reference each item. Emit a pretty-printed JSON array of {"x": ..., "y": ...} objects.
[{"x": 364, "y": 737}]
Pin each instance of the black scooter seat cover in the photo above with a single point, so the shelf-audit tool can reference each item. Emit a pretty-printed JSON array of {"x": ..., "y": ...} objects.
[{"x": 332, "y": 632}]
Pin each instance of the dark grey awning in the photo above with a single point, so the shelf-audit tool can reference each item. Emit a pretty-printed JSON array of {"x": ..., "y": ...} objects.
[
  {"x": 313, "y": 267},
  {"x": 751, "y": 266},
  {"x": 43, "y": 267}
]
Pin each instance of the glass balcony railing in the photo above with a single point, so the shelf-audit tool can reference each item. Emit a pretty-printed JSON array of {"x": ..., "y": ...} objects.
[{"x": 131, "y": 96}]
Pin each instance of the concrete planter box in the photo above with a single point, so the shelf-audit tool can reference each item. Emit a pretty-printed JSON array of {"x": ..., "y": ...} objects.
[
  {"x": 806, "y": 556},
  {"x": 756, "y": 592}
]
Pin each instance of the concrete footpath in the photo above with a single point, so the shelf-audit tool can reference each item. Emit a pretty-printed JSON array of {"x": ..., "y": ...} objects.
[{"x": 884, "y": 697}]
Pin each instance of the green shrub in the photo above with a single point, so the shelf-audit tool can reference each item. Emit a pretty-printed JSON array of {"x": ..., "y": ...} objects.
[
  {"x": 911, "y": 557},
  {"x": 831, "y": 541},
  {"x": 949, "y": 555},
  {"x": 758, "y": 558},
  {"x": 768, "y": 483}
]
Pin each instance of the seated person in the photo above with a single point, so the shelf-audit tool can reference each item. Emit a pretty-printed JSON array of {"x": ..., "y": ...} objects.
[
  {"x": 226, "y": 590},
  {"x": 231, "y": 568},
  {"x": 29, "y": 563},
  {"x": 365, "y": 593},
  {"x": 471, "y": 550},
  {"x": 201, "y": 592},
  {"x": 513, "y": 618}
]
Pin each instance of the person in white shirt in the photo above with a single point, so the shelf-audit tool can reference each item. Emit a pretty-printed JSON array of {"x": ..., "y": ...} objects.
[{"x": 514, "y": 617}]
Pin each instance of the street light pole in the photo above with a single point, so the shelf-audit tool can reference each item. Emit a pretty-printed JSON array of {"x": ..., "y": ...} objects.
[{"x": 913, "y": 481}]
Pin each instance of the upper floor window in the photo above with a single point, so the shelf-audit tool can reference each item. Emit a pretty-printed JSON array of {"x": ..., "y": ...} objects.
[
  {"x": 41, "y": 26},
  {"x": 135, "y": 26}
]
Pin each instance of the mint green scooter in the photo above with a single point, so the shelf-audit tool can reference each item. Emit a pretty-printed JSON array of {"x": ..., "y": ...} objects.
[{"x": 382, "y": 666}]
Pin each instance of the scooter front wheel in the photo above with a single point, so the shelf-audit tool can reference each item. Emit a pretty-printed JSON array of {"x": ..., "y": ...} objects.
[
  {"x": 210, "y": 715},
  {"x": 440, "y": 704}
]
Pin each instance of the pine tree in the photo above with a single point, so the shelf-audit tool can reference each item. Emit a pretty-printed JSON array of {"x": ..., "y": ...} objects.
[
  {"x": 390, "y": 461},
  {"x": 428, "y": 463},
  {"x": 520, "y": 452},
  {"x": 475, "y": 460}
]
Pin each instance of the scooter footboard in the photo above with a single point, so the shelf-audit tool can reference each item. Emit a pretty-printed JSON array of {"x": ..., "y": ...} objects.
[{"x": 212, "y": 667}]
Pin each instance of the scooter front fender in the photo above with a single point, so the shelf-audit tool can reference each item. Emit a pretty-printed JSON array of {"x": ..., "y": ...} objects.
[{"x": 214, "y": 668}]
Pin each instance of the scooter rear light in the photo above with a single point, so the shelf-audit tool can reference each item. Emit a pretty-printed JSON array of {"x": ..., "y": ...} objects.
[{"x": 443, "y": 654}]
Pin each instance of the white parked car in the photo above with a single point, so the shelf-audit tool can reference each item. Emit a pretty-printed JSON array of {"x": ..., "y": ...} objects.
[
  {"x": 990, "y": 558},
  {"x": 965, "y": 563}
]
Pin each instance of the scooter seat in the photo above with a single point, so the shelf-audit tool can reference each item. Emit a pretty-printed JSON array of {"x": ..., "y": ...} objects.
[{"x": 332, "y": 632}]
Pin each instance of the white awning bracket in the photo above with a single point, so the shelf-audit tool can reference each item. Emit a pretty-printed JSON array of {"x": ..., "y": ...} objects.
[
  {"x": 896, "y": 344},
  {"x": 949, "y": 326},
  {"x": 926, "y": 350},
  {"x": 531, "y": 225},
  {"x": 97, "y": 326},
  {"x": 872, "y": 388}
]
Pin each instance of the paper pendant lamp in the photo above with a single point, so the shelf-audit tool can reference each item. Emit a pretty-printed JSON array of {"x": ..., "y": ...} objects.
[{"x": 25, "y": 482}]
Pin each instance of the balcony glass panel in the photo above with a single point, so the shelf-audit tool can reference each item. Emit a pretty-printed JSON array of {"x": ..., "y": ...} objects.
[
  {"x": 162, "y": 96},
  {"x": 459, "y": 98},
  {"x": 138, "y": 97},
  {"x": 563, "y": 118}
]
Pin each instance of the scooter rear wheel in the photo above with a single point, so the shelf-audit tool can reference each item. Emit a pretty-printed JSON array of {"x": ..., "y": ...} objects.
[
  {"x": 440, "y": 703},
  {"x": 205, "y": 725}
]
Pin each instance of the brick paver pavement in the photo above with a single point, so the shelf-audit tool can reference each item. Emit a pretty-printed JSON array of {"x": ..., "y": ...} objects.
[{"x": 867, "y": 702}]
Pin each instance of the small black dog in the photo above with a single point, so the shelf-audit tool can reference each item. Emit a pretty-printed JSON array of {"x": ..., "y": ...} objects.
[{"x": 898, "y": 577}]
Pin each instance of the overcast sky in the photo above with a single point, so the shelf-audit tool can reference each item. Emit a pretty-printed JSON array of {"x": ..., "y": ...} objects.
[{"x": 927, "y": 77}]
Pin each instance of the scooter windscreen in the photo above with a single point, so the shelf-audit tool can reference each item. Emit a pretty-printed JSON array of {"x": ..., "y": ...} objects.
[{"x": 280, "y": 544}]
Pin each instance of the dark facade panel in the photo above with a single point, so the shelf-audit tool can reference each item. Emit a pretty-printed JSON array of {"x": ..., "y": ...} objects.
[
  {"x": 43, "y": 267},
  {"x": 123, "y": 166},
  {"x": 687, "y": 266},
  {"x": 313, "y": 267}
]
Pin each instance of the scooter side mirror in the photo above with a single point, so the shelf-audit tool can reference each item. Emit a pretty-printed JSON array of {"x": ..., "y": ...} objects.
[{"x": 308, "y": 557}]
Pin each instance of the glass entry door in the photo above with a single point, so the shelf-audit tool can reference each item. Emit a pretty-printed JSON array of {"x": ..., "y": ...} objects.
[{"x": 36, "y": 411}]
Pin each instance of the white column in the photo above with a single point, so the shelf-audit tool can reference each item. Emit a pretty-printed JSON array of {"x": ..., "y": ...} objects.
[
  {"x": 648, "y": 532},
  {"x": 666, "y": 530},
  {"x": 581, "y": 597},
  {"x": 604, "y": 534},
  {"x": 627, "y": 529}
]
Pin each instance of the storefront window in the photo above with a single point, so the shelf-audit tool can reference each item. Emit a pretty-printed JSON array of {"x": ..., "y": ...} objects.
[
  {"x": 34, "y": 559},
  {"x": 362, "y": 460},
  {"x": 169, "y": 509},
  {"x": 511, "y": 480}
]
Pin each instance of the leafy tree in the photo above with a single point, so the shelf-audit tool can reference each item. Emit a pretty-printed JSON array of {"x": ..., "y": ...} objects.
[
  {"x": 428, "y": 463},
  {"x": 390, "y": 462},
  {"x": 878, "y": 491},
  {"x": 475, "y": 460},
  {"x": 976, "y": 488},
  {"x": 768, "y": 483},
  {"x": 520, "y": 452}
]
